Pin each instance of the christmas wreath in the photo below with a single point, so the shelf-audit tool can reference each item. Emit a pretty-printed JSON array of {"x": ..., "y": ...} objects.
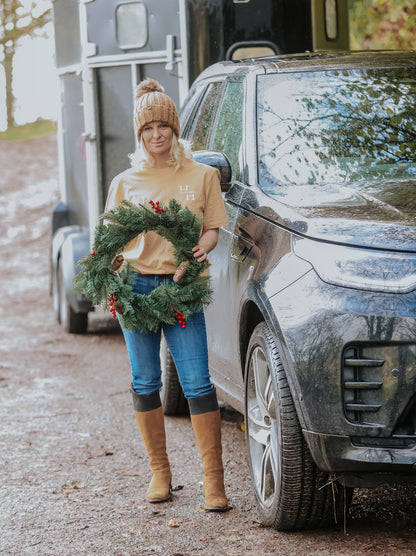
[{"x": 172, "y": 301}]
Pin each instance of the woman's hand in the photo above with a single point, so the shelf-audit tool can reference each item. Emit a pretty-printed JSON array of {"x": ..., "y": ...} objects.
[
  {"x": 199, "y": 253},
  {"x": 207, "y": 242},
  {"x": 117, "y": 262}
]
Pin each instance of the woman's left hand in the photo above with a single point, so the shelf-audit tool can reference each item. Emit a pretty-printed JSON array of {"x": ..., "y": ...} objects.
[
  {"x": 207, "y": 242},
  {"x": 199, "y": 253}
]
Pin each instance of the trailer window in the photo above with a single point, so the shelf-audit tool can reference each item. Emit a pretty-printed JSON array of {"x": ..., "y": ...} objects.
[
  {"x": 331, "y": 19},
  {"x": 131, "y": 25}
]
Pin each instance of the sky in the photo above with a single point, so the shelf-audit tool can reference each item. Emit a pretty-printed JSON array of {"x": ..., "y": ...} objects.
[{"x": 35, "y": 82}]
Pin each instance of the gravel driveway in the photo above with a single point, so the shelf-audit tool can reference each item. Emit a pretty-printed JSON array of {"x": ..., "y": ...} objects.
[{"x": 72, "y": 464}]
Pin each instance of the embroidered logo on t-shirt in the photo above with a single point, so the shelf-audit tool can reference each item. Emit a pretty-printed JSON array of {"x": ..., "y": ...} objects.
[{"x": 189, "y": 195}]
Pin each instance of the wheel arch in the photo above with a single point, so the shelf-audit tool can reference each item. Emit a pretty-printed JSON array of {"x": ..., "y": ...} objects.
[
  {"x": 250, "y": 317},
  {"x": 69, "y": 245}
]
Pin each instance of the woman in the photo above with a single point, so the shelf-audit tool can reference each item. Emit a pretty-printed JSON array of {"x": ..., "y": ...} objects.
[{"x": 162, "y": 169}]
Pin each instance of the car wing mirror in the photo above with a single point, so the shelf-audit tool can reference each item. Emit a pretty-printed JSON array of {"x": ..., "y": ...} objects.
[{"x": 220, "y": 162}]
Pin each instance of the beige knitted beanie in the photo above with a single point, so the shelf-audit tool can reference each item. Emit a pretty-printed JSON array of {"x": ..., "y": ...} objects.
[{"x": 153, "y": 105}]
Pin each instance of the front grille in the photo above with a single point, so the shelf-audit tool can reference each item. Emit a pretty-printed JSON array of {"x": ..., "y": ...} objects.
[{"x": 362, "y": 384}]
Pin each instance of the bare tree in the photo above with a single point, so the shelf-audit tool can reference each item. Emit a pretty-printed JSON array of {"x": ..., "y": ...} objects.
[{"x": 17, "y": 21}]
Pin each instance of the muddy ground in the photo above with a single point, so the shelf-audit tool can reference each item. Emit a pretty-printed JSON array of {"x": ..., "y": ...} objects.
[{"x": 72, "y": 466}]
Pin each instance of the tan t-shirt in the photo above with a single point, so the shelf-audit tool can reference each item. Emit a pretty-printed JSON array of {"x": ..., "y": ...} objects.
[{"x": 195, "y": 186}]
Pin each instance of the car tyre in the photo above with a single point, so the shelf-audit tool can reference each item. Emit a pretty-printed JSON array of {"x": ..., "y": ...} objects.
[
  {"x": 291, "y": 492},
  {"x": 72, "y": 322},
  {"x": 171, "y": 393}
]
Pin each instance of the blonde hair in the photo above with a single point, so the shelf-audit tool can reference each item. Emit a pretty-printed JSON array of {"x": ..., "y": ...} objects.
[{"x": 179, "y": 152}]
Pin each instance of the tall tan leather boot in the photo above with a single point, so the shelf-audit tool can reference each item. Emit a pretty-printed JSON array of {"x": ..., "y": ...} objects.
[
  {"x": 207, "y": 428},
  {"x": 152, "y": 428}
]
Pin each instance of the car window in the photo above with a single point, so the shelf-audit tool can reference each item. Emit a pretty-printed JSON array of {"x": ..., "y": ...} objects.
[
  {"x": 189, "y": 109},
  {"x": 350, "y": 127},
  {"x": 229, "y": 128},
  {"x": 199, "y": 135}
]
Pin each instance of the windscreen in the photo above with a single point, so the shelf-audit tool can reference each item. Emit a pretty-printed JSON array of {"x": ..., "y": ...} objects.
[{"x": 352, "y": 127}]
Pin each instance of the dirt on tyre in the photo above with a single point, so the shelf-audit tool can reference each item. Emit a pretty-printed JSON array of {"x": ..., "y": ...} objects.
[{"x": 291, "y": 492}]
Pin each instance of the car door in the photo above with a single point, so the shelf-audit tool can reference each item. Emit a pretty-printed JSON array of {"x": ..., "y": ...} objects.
[
  {"x": 213, "y": 120},
  {"x": 222, "y": 314}
]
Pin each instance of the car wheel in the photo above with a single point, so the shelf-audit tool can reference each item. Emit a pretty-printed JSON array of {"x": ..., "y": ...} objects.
[
  {"x": 171, "y": 393},
  {"x": 291, "y": 492},
  {"x": 72, "y": 322}
]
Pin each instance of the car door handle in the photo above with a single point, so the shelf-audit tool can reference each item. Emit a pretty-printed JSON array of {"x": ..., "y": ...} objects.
[
  {"x": 241, "y": 248},
  {"x": 240, "y": 257}
]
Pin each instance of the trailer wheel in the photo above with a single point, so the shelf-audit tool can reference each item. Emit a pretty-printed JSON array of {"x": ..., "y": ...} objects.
[
  {"x": 291, "y": 492},
  {"x": 55, "y": 292},
  {"x": 72, "y": 322},
  {"x": 171, "y": 393}
]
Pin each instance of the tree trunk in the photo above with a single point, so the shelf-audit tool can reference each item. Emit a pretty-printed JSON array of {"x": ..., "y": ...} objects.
[
  {"x": 9, "y": 52},
  {"x": 11, "y": 13}
]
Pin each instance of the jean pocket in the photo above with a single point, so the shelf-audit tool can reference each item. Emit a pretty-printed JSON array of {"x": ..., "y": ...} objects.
[{"x": 144, "y": 284}]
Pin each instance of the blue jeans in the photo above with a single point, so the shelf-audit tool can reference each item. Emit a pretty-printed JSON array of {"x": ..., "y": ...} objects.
[{"x": 188, "y": 347}]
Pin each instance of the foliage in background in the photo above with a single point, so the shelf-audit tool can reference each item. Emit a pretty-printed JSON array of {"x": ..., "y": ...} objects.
[
  {"x": 382, "y": 24},
  {"x": 18, "y": 20}
]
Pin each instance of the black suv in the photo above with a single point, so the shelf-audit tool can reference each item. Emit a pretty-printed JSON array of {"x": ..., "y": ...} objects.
[{"x": 312, "y": 331}]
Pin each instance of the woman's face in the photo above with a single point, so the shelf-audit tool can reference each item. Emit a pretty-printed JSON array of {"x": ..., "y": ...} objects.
[{"x": 157, "y": 138}]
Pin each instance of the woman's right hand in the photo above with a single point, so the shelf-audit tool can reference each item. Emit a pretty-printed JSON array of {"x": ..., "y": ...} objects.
[{"x": 117, "y": 262}]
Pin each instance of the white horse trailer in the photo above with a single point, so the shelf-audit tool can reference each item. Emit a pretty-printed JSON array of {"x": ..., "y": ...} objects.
[{"x": 104, "y": 48}]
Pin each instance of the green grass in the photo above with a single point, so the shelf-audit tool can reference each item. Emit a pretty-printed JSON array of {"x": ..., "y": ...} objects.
[{"x": 28, "y": 131}]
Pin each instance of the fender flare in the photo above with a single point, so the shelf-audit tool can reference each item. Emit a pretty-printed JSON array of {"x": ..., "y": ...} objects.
[{"x": 69, "y": 245}]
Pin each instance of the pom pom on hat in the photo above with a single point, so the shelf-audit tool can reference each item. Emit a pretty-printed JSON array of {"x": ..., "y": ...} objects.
[
  {"x": 153, "y": 105},
  {"x": 148, "y": 86}
]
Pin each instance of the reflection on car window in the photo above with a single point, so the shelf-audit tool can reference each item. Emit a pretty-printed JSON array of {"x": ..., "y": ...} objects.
[
  {"x": 189, "y": 110},
  {"x": 201, "y": 130},
  {"x": 331, "y": 127},
  {"x": 229, "y": 127}
]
